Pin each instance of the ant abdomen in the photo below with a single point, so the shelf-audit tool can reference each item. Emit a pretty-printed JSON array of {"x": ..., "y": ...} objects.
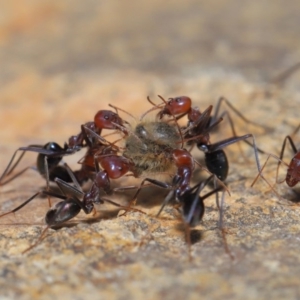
[
  {"x": 52, "y": 161},
  {"x": 62, "y": 211},
  {"x": 217, "y": 163},
  {"x": 61, "y": 173},
  {"x": 192, "y": 211}
]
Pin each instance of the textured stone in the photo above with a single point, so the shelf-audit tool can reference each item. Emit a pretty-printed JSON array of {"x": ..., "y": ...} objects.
[{"x": 63, "y": 61}]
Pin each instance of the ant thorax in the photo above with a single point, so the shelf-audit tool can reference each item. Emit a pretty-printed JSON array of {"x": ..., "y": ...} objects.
[{"x": 149, "y": 146}]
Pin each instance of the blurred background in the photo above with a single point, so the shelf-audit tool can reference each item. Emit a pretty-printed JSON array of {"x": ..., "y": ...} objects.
[
  {"x": 63, "y": 56},
  {"x": 62, "y": 61},
  {"x": 59, "y": 57},
  {"x": 169, "y": 37}
]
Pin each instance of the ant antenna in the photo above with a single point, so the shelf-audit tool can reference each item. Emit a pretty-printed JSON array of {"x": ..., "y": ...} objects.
[
  {"x": 130, "y": 131},
  {"x": 124, "y": 111},
  {"x": 281, "y": 78},
  {"x": 151, "y": 109}
]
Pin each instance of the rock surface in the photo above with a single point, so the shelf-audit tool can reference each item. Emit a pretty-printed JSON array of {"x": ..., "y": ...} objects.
[{"x": 63, "y": 61}]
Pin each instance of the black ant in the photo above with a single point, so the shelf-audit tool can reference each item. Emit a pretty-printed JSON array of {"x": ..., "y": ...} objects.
[
  {"x": 47, "y": 163},
  {"x": 51, "y": 154},
  {"x": 192, "y": 208},
  {"x": 71, "y": 205}
]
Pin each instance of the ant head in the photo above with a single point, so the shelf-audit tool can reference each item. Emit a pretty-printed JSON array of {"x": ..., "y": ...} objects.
[
  {"x": 107, "y": 119},
  {"x": 175, "y": 106},
  {"x": 62, "y": 212}
]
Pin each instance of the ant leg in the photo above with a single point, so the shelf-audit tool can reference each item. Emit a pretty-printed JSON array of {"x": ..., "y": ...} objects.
[
  {"x": 237, "y": 112},
  {"x": 217, "y": 194},
  {"x": 15, "y": 176},
  {"x": 125, "y": 188},
  {"x": 282, "y": 152},
  {"x": 167, "y": 199},
  {"x": 281, "y": 78},
  {"x": 153, "y": 182},
  {"x": 47, "y": 178},
  {"x": 221, "y": 228},
  {"x": 22, "y": 205},
  {"x": 222, "y": 144},
  {"x": 122, "y": 206},
  {"x": 117, "y": 109},
  {"x": 72, "y": 176},
  {"x": 235, "y": 135},
  {"x": 10, "y": 169},
  {"x": 40, "y": 239},
  {"x": 68, "y": 189},
  {"x": 295, "y": 131},
  {"x": 260, "y": 174}
]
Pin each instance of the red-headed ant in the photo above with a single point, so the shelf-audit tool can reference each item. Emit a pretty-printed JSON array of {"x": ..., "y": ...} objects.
[{"x": 292, "y": 176}]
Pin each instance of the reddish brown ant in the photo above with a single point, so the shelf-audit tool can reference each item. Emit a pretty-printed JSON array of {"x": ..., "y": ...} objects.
[
  {"x": 198, "y": 132},
  {"x": 293, "y": 168}
]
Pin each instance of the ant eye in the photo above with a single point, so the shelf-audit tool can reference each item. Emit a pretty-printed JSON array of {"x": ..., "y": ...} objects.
[
  {"x": 203, "y": 148},
  {"x": 177, "y": 99},
  {"x": 106, "y": 117}
]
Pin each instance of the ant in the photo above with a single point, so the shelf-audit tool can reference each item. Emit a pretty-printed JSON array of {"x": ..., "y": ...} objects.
[
  {"x": 71, "y": 205},
  {"x": 197, "y": 132},
  {"x": 192, "y": 208},
  {"x": 292, "y": 174},
  {"x": 51, "y": 154}
]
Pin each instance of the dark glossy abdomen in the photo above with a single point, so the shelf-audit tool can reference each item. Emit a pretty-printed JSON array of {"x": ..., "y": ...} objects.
[{"x": 217, "y": 163}]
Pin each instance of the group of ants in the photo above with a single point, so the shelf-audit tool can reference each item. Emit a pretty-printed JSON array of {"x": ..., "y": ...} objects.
[{"x": 151, "y": 147}]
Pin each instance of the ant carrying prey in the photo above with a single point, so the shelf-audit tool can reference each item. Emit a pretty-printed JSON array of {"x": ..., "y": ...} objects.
[{"x": 151, "y": 148}]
